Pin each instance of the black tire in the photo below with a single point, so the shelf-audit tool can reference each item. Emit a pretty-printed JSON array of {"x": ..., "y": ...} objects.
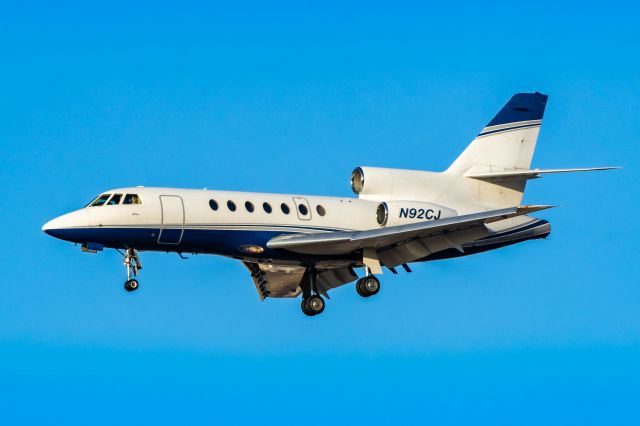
[
  {"x": 359, "y": 288},
  {"x": 305, "y": 309},
  {"x": 368, "y": 286},
  {"x": 312, "y": 305},
  {"x": 131, "y": 285}
]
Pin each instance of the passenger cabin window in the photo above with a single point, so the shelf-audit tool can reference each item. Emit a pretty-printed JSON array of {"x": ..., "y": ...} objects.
[
  {"x": 100, "y": 200},
  {"x": 321, "y": 211},
  {"x": 115, "y": 200},
  {"x": 249, "y": 206},
  {"x": 303, "y": 209},
  {"x": 213, "y": 204},
  {"x": 131, "y": 199},
  {"x": 285, "y": 208},
  {"x": 231, "y": 205},
  {"x": 267, "y": 207}
]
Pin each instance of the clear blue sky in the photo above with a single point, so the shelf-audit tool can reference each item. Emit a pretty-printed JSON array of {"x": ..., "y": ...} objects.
[{"x": 290, "y": 97}]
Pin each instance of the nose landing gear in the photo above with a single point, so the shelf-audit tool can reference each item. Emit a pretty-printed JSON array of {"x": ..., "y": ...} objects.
[
  {"x": 132, "y": 263},
  {"x": 131, "y": 285}
]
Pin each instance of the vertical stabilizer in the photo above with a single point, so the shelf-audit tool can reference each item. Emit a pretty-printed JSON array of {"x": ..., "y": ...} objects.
[{"x": 506, "y": 143}]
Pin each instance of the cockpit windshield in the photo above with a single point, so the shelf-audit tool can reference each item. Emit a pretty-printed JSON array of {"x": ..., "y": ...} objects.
[
  {"x": 100, "y": 200},
  {"x": 114, "y": 200}
]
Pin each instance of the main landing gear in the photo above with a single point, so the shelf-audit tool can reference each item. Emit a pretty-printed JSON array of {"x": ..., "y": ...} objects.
[
  {"x": 312, "y": 304},
  {"x": 368, "y": 285},
  {"x": 132, "y": 263}
]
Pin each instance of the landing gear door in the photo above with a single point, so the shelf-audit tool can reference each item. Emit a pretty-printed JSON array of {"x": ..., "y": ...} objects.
[
  {"x": 172, "y": 226},
  {"x": 302, "y": 208}
]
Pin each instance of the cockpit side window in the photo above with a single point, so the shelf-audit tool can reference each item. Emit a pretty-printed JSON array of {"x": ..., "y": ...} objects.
[
  {"x": 100, "y": 200},
  {"x": 115, "y": 200},
  {"x": 131, "y": 199}
]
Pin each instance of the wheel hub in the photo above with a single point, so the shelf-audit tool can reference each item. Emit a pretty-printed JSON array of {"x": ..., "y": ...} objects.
[
  {"x": 315, "y": 304},
  {"x": 371, "y": 285}
]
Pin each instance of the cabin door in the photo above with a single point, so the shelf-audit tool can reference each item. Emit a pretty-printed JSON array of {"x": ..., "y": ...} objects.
[{"x": 172, "y": 224}]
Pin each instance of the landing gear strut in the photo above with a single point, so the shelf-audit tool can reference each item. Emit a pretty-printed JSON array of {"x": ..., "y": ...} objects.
[
  {"x": 312, "y": 304},
  {"x": 368, "y": 285},
  {"x": 133, "y": 265}
]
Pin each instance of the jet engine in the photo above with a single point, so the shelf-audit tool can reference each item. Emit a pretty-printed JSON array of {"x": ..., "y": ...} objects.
[
  {"x": 393, "y": 213},
  {"x": 380, "y": 184}
]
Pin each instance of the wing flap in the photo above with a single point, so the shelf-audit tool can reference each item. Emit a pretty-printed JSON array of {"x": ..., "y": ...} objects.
[
  {"x": 280, "y": 281},
  {"x": 275, "y": 281}
]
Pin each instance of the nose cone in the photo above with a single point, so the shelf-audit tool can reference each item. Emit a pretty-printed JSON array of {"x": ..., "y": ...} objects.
[
  {"x": 62, "y": 227},
  {"x": 50, "y": 226},
  {"x": 55, "y": 227},
  {"x": 46, "y": 228}
]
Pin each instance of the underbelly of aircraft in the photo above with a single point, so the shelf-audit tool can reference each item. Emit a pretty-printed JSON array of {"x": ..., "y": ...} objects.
[{"x": 252, "y": 243}]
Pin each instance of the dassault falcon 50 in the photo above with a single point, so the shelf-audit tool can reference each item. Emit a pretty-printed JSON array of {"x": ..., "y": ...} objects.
[{"x": 304, "y": 245}]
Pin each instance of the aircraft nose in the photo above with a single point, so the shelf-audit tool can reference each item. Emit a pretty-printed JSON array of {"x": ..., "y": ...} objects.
[
  {"x": 62, "y": 227},
  {"x": 53, "y": 227},
  {"x": 46, "y": 228}
]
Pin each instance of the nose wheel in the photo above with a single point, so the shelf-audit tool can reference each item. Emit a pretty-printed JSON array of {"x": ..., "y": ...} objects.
[
  {"x": 132, "y": 264},
  {"x": 131, "y": 285}
]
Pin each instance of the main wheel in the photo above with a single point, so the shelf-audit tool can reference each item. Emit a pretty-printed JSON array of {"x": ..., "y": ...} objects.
[
  {"x": 312, "y": 305},
  {"x": 368, "y": 286},
  {"x": 131, "y": 285},
  {"x": 304, "y": 307}
]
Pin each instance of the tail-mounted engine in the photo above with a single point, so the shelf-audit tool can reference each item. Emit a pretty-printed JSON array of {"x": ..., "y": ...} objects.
[
  {"x": 375, "y": 183},
  {"x": 393, "y": 213}
]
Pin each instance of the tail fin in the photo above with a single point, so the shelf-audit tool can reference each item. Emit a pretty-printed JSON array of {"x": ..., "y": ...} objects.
[
  {"x": 509, "y": 139},
  {"x": 506, "y": 143}
]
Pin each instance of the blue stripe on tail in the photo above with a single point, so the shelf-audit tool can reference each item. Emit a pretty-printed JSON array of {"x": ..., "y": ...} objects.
[{"x": 521, "y": 107}]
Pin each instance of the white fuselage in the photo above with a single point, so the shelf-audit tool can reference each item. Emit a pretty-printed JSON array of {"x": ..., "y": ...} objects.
[{"x": 234, "y": 224}]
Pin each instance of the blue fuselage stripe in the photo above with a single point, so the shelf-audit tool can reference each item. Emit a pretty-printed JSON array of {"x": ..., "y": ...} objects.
[{"x": 226, "y": 242}]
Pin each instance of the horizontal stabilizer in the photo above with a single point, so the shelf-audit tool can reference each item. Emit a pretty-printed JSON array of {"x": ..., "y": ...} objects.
[{"x": 530, "y": 173}]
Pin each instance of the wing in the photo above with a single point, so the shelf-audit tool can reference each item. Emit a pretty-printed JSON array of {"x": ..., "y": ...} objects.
[
  {"x": 344, "y": 242},
  {"x": 284, "y": 281},
  {"x": 396, "y": 245}
]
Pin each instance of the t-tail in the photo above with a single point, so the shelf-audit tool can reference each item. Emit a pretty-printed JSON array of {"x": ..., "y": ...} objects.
[{"x": 498, "y": 160}]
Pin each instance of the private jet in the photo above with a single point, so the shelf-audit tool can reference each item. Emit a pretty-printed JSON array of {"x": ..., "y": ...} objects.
[{"x": 305, "y": 245}]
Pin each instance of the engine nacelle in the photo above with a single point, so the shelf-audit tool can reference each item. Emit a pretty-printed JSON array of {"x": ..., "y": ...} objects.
[
  {"x": 380, "y": 184},
  {"x": 393, "y": 213}
]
